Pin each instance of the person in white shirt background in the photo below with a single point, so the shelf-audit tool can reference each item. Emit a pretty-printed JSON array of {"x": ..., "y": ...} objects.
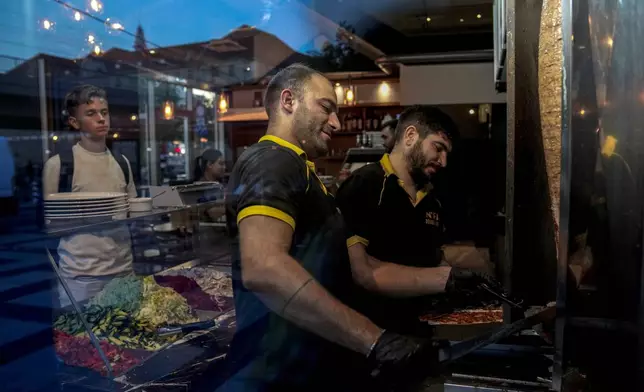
[{"x": 89, "y": 260}]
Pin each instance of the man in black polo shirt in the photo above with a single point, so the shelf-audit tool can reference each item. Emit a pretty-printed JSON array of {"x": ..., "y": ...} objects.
[
  {"x": 396, "y": 226},
  {"x": 290, "y": 264}
]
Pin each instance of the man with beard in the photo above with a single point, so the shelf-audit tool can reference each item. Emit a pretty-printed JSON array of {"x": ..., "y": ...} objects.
[
  {"x": 395, "y": 226},
  {"x": 388, "y": 134},
  {"x": 291, "y": 270}
]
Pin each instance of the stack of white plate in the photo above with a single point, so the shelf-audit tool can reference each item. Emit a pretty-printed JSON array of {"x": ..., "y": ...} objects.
[{"x": 84, "y": 205}]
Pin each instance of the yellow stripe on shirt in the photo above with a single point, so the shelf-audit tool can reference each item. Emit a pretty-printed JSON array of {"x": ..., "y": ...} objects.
[
  {"x": 356, "y": 239},
  {"x": 266, "y": 211}
]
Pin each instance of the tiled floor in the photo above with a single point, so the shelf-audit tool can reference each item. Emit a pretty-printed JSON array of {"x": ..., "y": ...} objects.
[{"x": 27, "y": 359}]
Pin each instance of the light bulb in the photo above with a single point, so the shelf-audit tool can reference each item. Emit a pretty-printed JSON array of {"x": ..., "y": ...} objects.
[
  {"x": 223, "y": 105},
  {"x": 350, "y": 95},
  {"x": 95, "y": 5},
  {"x": 91, "y": 39},
  {"x": 97, "y": 50},
  {"x": 77, "y": 16},
  {"x": 47, "y": 24}
]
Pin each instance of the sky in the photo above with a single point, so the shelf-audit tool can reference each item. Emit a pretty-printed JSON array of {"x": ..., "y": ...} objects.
[{"x": 165, "y": 22}]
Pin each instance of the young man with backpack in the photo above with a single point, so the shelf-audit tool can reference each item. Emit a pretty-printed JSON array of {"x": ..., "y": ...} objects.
[{"x": 89, "y": 260}]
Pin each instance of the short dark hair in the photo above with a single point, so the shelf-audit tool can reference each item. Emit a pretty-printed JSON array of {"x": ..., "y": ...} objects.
[
  {"x": 80, "y": 95},
  {"x": 428, "y": 120},
  {"x": 293, "y": 77},
  {"x": 390, "y": 124}
]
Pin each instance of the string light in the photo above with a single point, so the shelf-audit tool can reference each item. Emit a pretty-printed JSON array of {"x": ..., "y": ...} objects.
[
  {"x": 115, "y": 136},
  {"x": 77, "y": 16},
  {"x": 472, "y": 112},
  {"x": 478, "y": 16},
  {"x": 117, "y": 26},
  {"x": 91, "y": 39},
  {"x": 609, "y": 42},
  {"x": 95, "y": 5},
  {"x": 133, "y": 117},
  {"x": 47, "y": 24},
  {"x": 54, "y": 138},
  {"x": 97, "y": 50},
  {"x": 428, "y": 19}
]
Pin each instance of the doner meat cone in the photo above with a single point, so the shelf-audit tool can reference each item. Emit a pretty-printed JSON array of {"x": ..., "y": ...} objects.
[{"x": 550, "y": 81}]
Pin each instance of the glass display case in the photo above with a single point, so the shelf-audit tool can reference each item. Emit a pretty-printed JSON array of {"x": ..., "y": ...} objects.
[{"x": 166, "y": 316}]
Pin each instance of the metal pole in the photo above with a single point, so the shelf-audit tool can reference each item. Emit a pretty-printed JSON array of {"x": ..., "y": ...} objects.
[
  {"x": 510, "y": 162},
  {"x": 186, "y": 140},
  {"x": 152, "y": 151},
  {"x": 42, "y": 97},
  {"x": 566, "y": 163}
]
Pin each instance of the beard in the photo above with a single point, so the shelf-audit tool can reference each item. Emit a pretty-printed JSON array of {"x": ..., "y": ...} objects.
[
  {"x": 416, "y": 162},
  {"x": 308, "y": 130}
]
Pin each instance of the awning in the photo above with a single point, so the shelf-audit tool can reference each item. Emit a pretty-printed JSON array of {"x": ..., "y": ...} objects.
[{"x": 239, "y": 115}]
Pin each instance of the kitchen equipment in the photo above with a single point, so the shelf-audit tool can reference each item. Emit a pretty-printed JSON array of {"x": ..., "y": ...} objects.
[
  {"x": 461, "y": 349},
  {"x": 184, "y": 195}
]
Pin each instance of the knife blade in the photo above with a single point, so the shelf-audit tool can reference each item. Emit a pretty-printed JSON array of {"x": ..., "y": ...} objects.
[
  {"x": 500, "y": 293},
  {"x": 461, "y": 349}
]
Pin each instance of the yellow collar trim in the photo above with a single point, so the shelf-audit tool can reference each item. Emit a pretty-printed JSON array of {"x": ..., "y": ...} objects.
[
  {"x": 385, "y": 162},
  {"x": 295, "y": 149},
  {"x": 285, "y": 144}
]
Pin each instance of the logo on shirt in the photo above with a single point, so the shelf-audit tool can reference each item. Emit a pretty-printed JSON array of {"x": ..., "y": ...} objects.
[{"x": 432, "y": 218}]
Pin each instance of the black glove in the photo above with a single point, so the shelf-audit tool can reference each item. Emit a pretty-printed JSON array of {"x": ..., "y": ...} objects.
[
  {"x": 404, "y": 358},
  {"x": 463, "y": 279}
]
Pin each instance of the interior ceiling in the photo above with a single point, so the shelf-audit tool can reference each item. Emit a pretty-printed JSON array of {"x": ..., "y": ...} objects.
[
  {"x": 397, "y": 27},
  {"x": 419, "y": 17}
]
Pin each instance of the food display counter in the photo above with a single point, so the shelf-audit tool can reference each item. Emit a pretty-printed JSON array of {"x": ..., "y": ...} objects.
[{"x": 160, "y": 325}]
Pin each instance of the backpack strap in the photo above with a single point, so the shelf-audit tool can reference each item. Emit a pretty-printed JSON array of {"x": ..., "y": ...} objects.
[
  {"x": 66, "y": 174},
  {"x": 125, "y": 168}
]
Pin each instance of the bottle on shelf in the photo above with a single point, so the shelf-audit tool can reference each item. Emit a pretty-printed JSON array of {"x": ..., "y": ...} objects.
[
  {"x": 360, "y": 125},
  {"x": 358, "y": 140}
]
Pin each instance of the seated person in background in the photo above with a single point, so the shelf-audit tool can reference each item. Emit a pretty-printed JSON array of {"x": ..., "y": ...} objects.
[
  {"x": 211, "y": 167},
  {"x": 90, "y": 260}
]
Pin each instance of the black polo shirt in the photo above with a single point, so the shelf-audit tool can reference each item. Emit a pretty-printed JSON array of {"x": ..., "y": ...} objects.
[
  {"x": 274, "y": 178},
  {"x": 394, "y": 228}
]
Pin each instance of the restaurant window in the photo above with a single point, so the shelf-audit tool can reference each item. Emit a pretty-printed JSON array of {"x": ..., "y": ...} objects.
[{"x": 129, "y": 216}]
